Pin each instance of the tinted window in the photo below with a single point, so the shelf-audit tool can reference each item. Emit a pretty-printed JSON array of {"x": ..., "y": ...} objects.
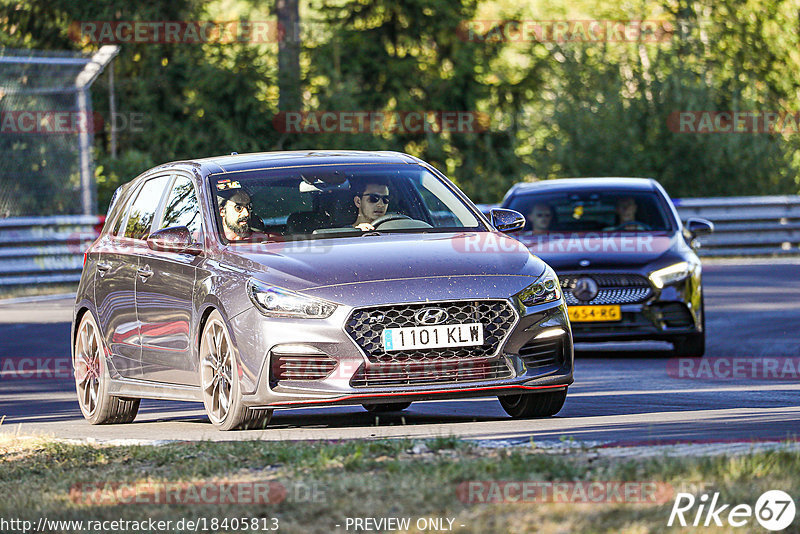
[
  {"x": 183, "y": 208},
  {"x": 582, "y": 211},
  {"x": 144, "y": 208}
]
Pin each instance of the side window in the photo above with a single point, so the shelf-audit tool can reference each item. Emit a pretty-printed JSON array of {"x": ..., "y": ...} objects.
[
  {"x": 144, "y": 208},
  {"x": 122, "y": 211},
  {"x": 183, "y": 208},
  {"x": 118, "y": 222}
]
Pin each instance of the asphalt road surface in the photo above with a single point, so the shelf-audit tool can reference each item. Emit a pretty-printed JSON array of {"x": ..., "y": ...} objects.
[{"x": 620, "y": 396}]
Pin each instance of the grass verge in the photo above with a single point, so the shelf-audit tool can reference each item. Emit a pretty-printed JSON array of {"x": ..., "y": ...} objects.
[{"x": 316, "y": 486}]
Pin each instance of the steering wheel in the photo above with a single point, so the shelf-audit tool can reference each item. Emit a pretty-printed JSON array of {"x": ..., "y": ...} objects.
[
  {"x": 389, "y": 217},
  {"x": 630, "y": 225}
]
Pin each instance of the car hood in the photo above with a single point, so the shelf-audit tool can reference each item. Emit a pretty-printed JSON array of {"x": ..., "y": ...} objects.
[
  {"x": 320, "y": 266},
  {"x": 567, "y": 250}
]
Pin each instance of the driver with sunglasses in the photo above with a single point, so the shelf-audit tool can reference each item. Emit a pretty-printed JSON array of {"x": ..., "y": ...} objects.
[{"x": 372, "y": 203}]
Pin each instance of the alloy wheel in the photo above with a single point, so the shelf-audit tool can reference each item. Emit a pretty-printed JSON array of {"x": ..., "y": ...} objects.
[
  {"x": 217, "y": 371},
  {"x": 87, "y": 368}
]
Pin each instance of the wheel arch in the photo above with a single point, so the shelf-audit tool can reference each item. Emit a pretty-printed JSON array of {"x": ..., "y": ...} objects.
[{"x": 208, "y": 307}]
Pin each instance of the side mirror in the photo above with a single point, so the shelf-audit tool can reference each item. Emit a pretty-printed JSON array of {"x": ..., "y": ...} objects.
[
  {"x": 174, "y": 239},
  {"x": 697, "y": 226},
  {"x": 507, "y": 220}
]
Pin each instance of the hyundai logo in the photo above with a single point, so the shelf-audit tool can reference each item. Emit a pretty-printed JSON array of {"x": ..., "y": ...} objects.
[
  {"x": 431, "y": 316},
  {"x": 585, "y": 289}
]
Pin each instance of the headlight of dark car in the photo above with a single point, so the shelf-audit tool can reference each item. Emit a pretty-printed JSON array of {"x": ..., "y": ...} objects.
[
  {"x": 545, "y": 289},
  {"x": 274, "y": 301},
  {"x": 670, "y": 274}
]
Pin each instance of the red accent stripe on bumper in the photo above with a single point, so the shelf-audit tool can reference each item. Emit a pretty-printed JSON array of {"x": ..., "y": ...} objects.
[{"x": 410, "y": 393}]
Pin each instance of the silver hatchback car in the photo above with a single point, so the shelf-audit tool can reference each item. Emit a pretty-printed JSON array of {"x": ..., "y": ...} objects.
[{"x": 277, "y": 280}]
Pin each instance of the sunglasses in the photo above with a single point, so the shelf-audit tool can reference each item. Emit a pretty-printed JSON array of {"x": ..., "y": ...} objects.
[
  {"x": 373, "y": 198},
  {"x": 239, "y": 207}
]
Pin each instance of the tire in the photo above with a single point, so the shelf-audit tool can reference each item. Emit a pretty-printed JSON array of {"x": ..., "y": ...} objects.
[
  {"x": 690, "y": 346},
  {"x": 92, "y": 379},
  {"x": 531, "y": 405},
  {"x": 386, "y": 407},
  {"x": 219, "y": 381}
]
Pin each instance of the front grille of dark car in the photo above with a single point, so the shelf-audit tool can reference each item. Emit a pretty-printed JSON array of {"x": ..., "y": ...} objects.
[
  {"x": 430, "y": 372},
  {"x": 676, "y": 315},
  {"x": 543, "y": 353},
  {"x": 612, "y": 288},
  {"x": 366, "y": 325}
]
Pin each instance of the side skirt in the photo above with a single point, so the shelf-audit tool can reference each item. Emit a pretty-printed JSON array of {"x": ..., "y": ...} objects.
[{"x": 129, "y": 387}]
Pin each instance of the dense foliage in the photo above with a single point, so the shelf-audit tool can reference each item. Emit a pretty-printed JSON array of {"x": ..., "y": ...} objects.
[{"x": 553, "y": 109}]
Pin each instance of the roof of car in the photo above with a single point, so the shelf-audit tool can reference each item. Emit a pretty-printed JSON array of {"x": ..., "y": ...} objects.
[
  {"x": 261, "y": 160},
  {"x": 571, "y": 184}
]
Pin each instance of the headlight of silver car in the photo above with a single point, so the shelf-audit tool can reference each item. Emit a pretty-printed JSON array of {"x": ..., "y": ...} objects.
[
  {"x": 278, "y": 302},
  {"x": 546, "y": 288},
  {"x": 670, "y": 275}
]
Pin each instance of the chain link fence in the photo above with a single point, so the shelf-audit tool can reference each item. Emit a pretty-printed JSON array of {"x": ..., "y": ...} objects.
[{"x": 46, "y": 131}]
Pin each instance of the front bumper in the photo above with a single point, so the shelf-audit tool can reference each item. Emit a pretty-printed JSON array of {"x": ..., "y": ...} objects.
[
  {"x": 518, "y": 354},
  {"x": 675, "y": 310},
  {"x": 653, "y": 321}
]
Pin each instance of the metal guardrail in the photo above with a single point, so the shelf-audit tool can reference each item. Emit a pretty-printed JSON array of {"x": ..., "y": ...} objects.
[
  {"x": 47, "y": 250},
  {"x": 744, "y": 226},
  {"x": 747, "y": 226}
]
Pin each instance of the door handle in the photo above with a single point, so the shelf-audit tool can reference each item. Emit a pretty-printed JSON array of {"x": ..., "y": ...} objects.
[
  {"x": 103, "y": 267},
  {"x": 144, "y": 273}
]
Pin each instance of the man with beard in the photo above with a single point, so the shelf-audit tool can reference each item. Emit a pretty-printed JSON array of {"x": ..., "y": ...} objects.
[{"x": 236, "y": 208}]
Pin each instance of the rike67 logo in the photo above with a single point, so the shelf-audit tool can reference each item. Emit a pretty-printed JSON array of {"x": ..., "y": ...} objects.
[{"x": 774, "y": 510}]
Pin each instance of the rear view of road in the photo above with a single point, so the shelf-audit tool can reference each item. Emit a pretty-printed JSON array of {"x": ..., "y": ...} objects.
[{"x": 619, "y": 396}]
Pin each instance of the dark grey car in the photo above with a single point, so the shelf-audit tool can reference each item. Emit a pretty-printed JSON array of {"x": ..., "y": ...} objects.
[{"x": 290, "y": 305}]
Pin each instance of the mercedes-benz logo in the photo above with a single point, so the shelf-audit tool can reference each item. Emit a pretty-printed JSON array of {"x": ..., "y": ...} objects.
[
  {"x": 431, "y": 316},
  {"x": 585, "y": 289}
]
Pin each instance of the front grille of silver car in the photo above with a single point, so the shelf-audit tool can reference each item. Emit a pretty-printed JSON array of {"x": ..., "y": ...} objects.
[
  {"x": 301, "y": 366},
  {"x": 430, "y": 372},
  {"x": 366, "y": 325},
  {"x": 612, "y": 288},
  {"x": 539, "y": 353}
]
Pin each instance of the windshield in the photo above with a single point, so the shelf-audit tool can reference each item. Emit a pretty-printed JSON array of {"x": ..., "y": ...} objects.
[
  {"x": 609, "y": 211},
  {"x": 336, "y": 201}
]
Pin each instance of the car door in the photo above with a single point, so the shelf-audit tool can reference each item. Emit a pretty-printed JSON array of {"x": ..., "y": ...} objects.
[
  {"x": 115, "y": 279},
  {"x": 164, "y": 299}
]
